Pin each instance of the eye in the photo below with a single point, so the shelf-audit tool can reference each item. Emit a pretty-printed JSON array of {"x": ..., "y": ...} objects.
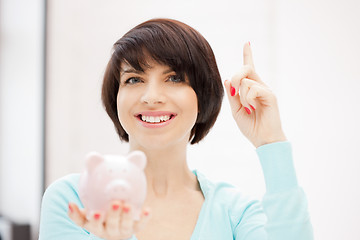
[
  {"x": 133, "y": 80},
  {"x": 175, "y": 79}
]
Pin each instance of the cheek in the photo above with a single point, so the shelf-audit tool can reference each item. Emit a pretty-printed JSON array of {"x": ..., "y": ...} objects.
[
  {"x": 119, "y": 103},
  {"x": 190, "y": 103},
  {"x": 126, "y": 98},
  {"x": 123, "y": 104},
  {"x": 194, "y": 104}
]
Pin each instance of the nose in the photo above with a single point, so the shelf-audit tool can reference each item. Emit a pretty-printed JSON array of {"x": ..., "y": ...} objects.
[
  {"x": 117, "y": 188},
  {"x": 153, "y": 94}
]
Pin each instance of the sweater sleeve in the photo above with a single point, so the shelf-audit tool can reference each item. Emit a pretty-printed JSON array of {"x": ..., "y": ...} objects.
[
  {"x": 54, "y": 221},
  {"x": 284, "y": 203}
]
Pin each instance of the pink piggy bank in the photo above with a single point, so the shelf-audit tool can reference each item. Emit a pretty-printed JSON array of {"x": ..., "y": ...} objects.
[{"x": 113, "y": 177}]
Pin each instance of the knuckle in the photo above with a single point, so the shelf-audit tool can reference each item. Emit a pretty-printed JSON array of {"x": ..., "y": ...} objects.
[
  {"x": 235, "y": 77},
  {"x": 249, "y": 98},
  {"x": 270, "y": 92},
  {"x": 273, "y": 97},
  {"x": 244, "y": 103},
  {"x": 246, "y": 83},
  {"x": 242, "y": 99},
  {"x": 248, "y": 69},
  {"x": 110, "y": 226}
]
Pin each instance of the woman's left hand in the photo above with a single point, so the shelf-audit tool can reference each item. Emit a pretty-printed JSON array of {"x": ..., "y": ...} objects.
[{"x": 254, "y": 105}]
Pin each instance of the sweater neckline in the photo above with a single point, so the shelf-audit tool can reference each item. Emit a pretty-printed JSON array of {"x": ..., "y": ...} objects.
[{"x": 204, "y": 186}]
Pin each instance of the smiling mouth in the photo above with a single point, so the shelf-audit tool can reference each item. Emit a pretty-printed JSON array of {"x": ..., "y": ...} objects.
[{"x": 155, "y": 119}]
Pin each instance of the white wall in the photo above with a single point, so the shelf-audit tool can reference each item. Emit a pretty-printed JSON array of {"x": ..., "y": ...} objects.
[
  {"x": 319, "y": 72},
  {"x": 21, "y": 66}
]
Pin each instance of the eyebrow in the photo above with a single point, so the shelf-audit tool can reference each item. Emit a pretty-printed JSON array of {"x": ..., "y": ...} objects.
[{"x": 132, "y": 70}]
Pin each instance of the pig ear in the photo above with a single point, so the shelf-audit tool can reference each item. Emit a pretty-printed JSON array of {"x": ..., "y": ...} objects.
[
  {"x": 93, "y": 159},
  {"x": 138, "y": 158}
]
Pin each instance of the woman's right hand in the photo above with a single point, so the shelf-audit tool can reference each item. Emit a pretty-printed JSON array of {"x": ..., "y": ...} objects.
[{"x": 118, "y": 224}]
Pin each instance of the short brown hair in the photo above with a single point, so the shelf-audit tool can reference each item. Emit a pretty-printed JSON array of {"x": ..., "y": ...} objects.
[{"x": 178, "y": 46}]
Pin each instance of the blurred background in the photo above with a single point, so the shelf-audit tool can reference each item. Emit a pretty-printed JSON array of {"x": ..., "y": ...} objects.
[{"x": 53, "y": 55}]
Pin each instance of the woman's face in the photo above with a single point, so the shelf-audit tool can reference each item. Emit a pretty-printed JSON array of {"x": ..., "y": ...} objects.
[{"x": 156, "y": 107}]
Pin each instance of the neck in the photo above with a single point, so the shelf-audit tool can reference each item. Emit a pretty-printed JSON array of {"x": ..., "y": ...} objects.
[{"x": 167, "y": 172}]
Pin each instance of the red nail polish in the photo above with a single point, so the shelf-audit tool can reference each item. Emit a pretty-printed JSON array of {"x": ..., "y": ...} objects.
[
  {"x": 97, "y": 216},
  {"x": 126, "y": 209},
  {"x": 115, "y": 207},
  {"x": 252, "y": 107},
  {"x": 249, "y": 43},
  {"x": 232, "y": 91},
  {"x": 247, "y": 110},
  {"x": 70, "y": 208}
]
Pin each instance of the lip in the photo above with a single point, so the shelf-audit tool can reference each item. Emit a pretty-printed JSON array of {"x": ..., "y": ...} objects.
[{"x": 155, "y": 114}]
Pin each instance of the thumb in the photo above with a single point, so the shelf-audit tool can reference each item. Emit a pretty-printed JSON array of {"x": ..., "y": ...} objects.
[{"x": 234, "y": 101}]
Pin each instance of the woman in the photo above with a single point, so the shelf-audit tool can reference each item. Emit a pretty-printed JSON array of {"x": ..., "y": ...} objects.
[{"x": 162, "y": 90}]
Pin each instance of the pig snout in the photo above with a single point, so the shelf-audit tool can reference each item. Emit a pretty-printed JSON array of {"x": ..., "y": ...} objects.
[{"x": 118, "y": 189}]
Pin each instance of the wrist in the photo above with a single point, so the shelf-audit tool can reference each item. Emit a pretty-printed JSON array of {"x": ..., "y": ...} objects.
[{"x": 273, "y": 139}]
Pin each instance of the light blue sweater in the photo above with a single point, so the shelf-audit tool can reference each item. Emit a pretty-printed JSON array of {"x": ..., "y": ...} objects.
[{"x": 226, "y": 213}]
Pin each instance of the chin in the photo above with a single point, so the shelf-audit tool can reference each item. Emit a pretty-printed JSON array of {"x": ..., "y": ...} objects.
[{"x": 159, "y": 142}]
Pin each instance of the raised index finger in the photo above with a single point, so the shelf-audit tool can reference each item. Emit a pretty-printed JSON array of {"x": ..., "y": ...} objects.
[{"x": 247, "y": 54}]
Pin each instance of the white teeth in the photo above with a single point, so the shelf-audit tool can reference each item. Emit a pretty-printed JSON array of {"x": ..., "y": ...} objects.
[{"x": 155, "y": 119}]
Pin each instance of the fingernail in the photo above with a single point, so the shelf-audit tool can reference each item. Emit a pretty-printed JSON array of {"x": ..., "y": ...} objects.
[
  {"x": 97, "y": 216},
  {"x": 126, "y": 209},
  {"x": 252, "y": 107},
  {"x": 249, "y": 43},
  {"x": 70, "y": 208},
  {"x": 232, "y": 91},
  {"x": 115, "y": 207},
  {"x": 247, "y": 110}
]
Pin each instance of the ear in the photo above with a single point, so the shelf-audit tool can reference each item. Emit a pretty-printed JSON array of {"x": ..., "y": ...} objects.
[
  {"x": 138, "y": 158},
  {"x": 93, "y": 159}
]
